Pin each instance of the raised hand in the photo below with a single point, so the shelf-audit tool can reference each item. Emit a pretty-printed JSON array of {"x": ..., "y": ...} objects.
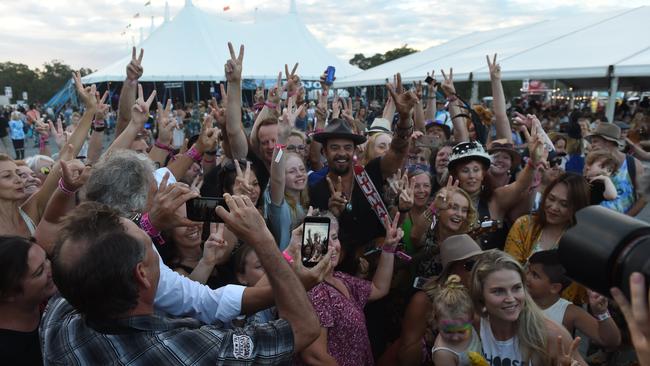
[
  {"x": 207, "y": 140},
  {"x": 197, "y": 183},
  {"x": 448, "y": 83},
  {"x": 288, "y": 120},
  {"x": 87, "y": 94},
  {"x": 242, "y": 184},
  {"x": 165, "y": 123},
  {"x": 42, "y": 128},
  {"x": 536, "y": 146},
  {"x": 166, "y": 201},
  {"x": 443, "y": 197},
  {"x": 140, "y": 110},
  {"x": 524, "y": 120},
  {"x": 233, "y": 67},
  {"x": 218, "y": 112},
  {"x": 347, "y": 110},
  {"x": 275, "y": 94},
  {"x": 293, "y": 80},
  {"x": 404, "y": 100},
  {"x": 393, "y": 232},
  {"x": 565, "y": 356},
  {"x": 395, "y": 181},
  {"x": 216, "y": 250},
  {"x": 432, "y": 87},
  {"x": 134, "y": 69},
  {"x": 637, "y": 316},
  {"x": 259, "y": 93},
  {"x": 336, "y": 106},
  {"x": 407, "y": 195},
  {"x": 494, "y": 67},
  {"x": 102, "y": 107},
  {"x": 417, "y": 87},
  {"x": 337, "y": 199},
  {"x": 74, "y": 174}
]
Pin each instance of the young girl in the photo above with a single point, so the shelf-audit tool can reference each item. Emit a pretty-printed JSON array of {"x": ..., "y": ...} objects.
[{"x": 453, "y": 313}]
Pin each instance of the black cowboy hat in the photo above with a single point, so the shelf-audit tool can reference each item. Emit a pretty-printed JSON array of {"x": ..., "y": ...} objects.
[{"x": 338, "y": 129}]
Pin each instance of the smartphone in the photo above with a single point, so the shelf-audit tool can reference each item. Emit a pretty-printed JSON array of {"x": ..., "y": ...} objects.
[
  {"x": 202, "y": 209},
  {"x": 425, "y": 141},
  {"x": 419, "y": 282},
  {"x": 315, "y": 239},
  {"x": 329, "y": 79}
]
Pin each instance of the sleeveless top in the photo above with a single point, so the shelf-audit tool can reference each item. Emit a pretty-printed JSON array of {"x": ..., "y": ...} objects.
[
  {"x": 28, "y": 221},
  {"x": 499, "y": 353},
  {"x": 556, "y": 311},
  {"x": 624, "y": 188},
  {"x": 463, "y": 357}
]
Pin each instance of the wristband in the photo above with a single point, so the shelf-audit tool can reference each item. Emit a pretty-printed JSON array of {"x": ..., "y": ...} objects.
[
  {"x": 99, "y": 128},
  {"x": 280, "y": 146},
  {"x": 147, "y": 226},
  {"x": 452, "y": 98},
  {"x": 389, "y": 249},
  {"x": 194, "y": 154},
  {"x": 287, "y": 257},
  {"x": 42, "y": 142},
  {"x": 162, "y": 146},
  {"x": 65, "y": 190},
  {"x": 270, "y": 105},
  {"x": 604, "y": 316}
]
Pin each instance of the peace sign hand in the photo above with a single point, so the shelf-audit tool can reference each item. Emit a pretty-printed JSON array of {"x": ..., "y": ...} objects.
[
  {"x": 448, "y": 83},
  {"x": 565, "y": 356},
  {"x": 140, "y": 110},
  {"x": 102, "y": 108},
  {"x": 233, "y": 66},
  {"x": 337, "y": 199},
  {"x": 134, "y": 69},
  {"x": 259, "y": 93},
  {"x": 275, "y": 94},
  {"x": 60, "y": 135},
  {"x": 293, "y": 80},
  {"x": 637, "y": 315},
  {"x": 393, "y": 232},
  {"x": 242, "y": 186},
  {"x": 165, "y": 124},
  {"x": 87, "y": 94},
  {"x": 404, "y": 100},
  {"x": 432, "y": 87},
  {"x": 406, "y": 196},
  {"x": 207, "y": 140},
  {"x": 347, "y": 110},
  {"x": 417, "y": 86},
  {"x": 218, "y": 112},
  {"x": 216, "y": 250},
  {"x": 494, "y": 67},
  {"x": 443, "y": 197}
]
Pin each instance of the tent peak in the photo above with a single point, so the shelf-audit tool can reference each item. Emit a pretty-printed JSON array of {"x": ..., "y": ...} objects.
[
  {"x": 292, "y": 7},
  {"x": 166, "y": 11},
  {"x": 188, "y": 3}
]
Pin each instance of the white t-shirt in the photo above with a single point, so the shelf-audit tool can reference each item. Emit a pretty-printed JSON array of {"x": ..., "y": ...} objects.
[
  {"x": 556, "y": 311},
  {"x": 498, "y": 353}
]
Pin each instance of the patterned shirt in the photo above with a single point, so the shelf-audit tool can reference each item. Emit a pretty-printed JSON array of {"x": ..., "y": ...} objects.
[
  {"x": 67, "y": 339},
  {"x": 624, "y": 188}
]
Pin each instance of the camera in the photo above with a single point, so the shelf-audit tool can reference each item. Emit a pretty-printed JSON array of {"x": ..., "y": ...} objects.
[{"x": 604, "y": 248}]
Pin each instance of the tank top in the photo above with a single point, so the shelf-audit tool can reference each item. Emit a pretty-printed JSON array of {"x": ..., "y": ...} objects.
[
  {"x": 28, "y": 221},
  {"x": 499, "y": 353},
  {"x": 624, "y": 188},
  {"x": 556, "y": 311},
  {"x": 463, "y": 357}
]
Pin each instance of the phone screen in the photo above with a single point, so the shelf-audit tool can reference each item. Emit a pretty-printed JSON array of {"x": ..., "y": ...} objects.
[
  {"x": 315, "y": 239},
  {"x": 202, "y": 209}
]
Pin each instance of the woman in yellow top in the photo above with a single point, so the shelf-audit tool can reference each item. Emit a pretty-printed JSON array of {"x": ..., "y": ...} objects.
[{"x": 543, "y": 230}]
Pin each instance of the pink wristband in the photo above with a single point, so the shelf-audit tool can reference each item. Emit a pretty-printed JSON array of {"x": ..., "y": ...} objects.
[
  {"x": 194, "y": 154},
  {"x": 288, "y": 258},
  {"x": 147, "y": 226},
  {"x": 64, "y": 189}
]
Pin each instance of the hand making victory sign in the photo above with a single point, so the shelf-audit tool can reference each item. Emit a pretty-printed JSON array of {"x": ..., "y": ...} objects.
[
  {"x": 134, "y": 68},
  {"x": 337, "y": 199}
]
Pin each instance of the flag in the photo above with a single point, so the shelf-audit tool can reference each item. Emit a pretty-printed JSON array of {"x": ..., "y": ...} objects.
[
  {"x": 147, "y": 3},
  {"x": 137, "y": 15},
  {"x": 226, "y": 8}
]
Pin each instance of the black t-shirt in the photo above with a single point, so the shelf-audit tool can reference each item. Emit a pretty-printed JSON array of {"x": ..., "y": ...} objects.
[
  {"x": 360, "y": 225},
  {"x": 4, "y": 124},
  {"x": 20, "y": 348},
  {"x": 597, "y": 192}
]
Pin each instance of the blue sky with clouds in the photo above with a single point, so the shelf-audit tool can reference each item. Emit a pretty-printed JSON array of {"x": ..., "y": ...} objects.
[{"x": 89, "y": 33}]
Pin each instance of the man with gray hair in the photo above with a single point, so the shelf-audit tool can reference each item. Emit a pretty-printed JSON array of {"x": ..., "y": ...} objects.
[{"x": 124, "y": 180}]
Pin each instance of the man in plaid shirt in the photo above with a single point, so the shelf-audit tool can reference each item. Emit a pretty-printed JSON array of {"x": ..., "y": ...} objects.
[{"x": 107, "y": 272}]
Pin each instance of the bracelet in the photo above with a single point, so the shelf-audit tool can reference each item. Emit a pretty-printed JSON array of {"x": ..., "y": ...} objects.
[
  {"x": 403, "y": 211},
  {"x": 389, "y": 249},
  {"x": 270, "y": 105},
  {"x": 452, "y": 98},
  {"x": 99, "y": 128},
  {"x": 287, "y": 257},
  {"x": 604, "y": 316},
  {"x": 162, "y": 146},
  {"x": 65, "y": 190},
  {"x": 147, "y": 226},
  {"x": 194, "y": 154}
]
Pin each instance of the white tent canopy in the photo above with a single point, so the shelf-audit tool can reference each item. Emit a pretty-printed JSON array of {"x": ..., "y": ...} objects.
[
  {"x": 194, "y": 47},
  {"x": 567, "y": 48}
]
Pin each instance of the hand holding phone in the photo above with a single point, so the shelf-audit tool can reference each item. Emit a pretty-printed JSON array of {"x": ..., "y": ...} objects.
[
  {"x": 203, "y": 209},
  {"x": 315, "y": 240}
]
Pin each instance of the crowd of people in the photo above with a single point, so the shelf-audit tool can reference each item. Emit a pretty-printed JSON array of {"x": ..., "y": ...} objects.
[{"x": 445, "y": 220}]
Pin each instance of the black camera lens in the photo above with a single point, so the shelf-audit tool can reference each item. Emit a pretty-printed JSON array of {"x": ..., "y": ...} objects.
[{"x": 604, "y": 248}]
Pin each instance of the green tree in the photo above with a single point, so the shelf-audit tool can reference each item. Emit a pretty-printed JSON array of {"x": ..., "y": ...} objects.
[{"x": 365, "y": 63}]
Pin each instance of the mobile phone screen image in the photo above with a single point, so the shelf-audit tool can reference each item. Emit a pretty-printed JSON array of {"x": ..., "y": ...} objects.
[
  {"x": 315, "y": 239},
  {"x": 202, "y": 209}
]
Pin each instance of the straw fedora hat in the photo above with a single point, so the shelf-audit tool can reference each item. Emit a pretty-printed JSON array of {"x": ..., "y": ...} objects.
[
  {"x": 608, "y": 131},
  {"x": 457, "y": 248}
]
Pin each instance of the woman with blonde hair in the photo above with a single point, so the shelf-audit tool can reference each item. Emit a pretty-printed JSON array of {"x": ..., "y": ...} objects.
[
  {"x": 377, "y": 145},
  {"x": 513, "y": 329}
]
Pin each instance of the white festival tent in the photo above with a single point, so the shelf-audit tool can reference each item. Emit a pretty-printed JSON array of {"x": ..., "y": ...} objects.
[
  {"x": 193, "y": 46},
  {"x": 586, "y": 51}
]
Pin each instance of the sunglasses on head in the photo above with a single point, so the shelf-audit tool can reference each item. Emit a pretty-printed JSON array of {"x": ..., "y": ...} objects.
[{"x": 45, "y": 170}]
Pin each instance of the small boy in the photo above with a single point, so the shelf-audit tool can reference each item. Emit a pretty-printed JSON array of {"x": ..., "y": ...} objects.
[
  {"x": 545, "y": 280},
  {"x": 599, "y": 167}
]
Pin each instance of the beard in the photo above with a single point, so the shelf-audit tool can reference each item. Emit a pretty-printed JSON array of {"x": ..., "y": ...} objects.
[{"x": 339, "y": 170}]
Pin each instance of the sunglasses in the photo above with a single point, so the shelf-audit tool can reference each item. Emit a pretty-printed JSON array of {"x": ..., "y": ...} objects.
[
  {"x": 469, "y": 265},
  {"x": 45, "y": 170}
]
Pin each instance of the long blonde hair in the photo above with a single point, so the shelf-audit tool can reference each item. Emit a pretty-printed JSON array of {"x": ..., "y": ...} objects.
[
  {"x": 531, "y": 327},
  {"x": 368, "y": 153},
  {"x": 471, "y": 219},
  {"x": 303, "y": 199}
]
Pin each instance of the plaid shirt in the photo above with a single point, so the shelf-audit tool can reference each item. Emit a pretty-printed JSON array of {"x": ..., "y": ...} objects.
[{"x": 156, "y": 340}]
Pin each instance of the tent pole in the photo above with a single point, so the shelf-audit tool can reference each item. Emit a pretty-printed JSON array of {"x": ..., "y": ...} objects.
[
  {"x": 198, "y": 98},
  {"x": 474, "y": 98},
  {"x": 611, "y": 102},
  {"x": 184, "y": 97}
]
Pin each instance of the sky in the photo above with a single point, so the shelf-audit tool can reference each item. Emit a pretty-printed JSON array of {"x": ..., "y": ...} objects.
[{"x": 94, "y": 33}]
